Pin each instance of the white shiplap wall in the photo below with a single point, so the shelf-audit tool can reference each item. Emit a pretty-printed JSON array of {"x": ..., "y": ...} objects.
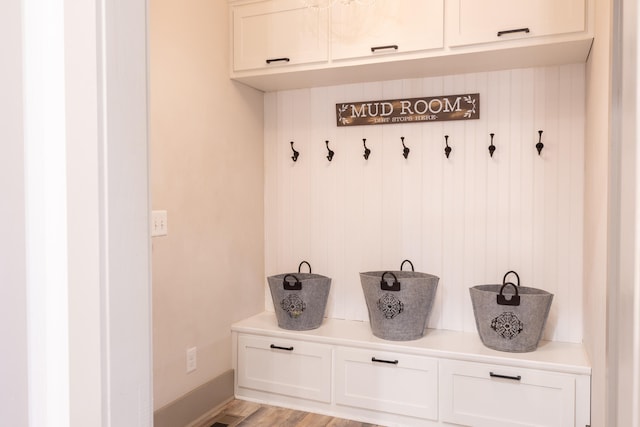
[{"x": 467, "y": 219}]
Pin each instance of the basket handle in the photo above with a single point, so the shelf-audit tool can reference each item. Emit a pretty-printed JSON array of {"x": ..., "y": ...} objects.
[
  {"x": 504, "y": 279},
  {"x": 410, "y": 263},
  {"x": 297, "y": 286},
  {"x": 514, "y": 300},
  {"x": 304, "y": 262},
  {"x": 385, "y": 287}
]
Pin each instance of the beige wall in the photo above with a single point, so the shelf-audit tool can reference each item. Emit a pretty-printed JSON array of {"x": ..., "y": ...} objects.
[
  {"x": 596, "y": 195},
  {"x": 206, "y": 161}
]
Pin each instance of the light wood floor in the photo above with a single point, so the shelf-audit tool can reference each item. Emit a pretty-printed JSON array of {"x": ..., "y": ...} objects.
[{"x": 240, "y": 413}]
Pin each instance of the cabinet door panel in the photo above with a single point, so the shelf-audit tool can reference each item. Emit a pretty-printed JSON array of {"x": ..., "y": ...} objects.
[
  {"x": 409, "y": 386},
  {"x": 473, "y": 21},
  {"x": 411, "y": 25},
  {"x": 284, "y": 32},
  {"x": 492, "y": 396},
  {"x": 289, "y": 367}
]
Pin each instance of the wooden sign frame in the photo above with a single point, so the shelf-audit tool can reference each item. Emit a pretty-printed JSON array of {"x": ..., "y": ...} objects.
[{"x": 409, "y": 110}]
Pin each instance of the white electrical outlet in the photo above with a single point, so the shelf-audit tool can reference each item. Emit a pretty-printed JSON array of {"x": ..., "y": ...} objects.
[
  {"x": 192, "y": 359},
  {"x": 159, "y": 223}
]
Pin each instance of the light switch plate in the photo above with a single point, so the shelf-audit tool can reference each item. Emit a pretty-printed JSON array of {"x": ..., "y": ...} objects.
[
  {"x": 192, "y": 359},
  {"x": 159, "y": 223}
]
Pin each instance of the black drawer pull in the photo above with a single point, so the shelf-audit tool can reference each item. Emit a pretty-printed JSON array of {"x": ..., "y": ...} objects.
[
  {"x": 517, "y": 30},
  {"x": 390, "y": 46},
  {"x": 269, "y": 61},
  {"x": 506, "y": 377},
  {"x": 391, "y": 362},
  {"x": 276, "y": 347}
]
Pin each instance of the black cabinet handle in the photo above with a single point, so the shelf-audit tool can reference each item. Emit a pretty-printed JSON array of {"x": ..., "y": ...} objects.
[
  {"x": 506, "y": 377},
  {"x": 391, "y": 362},
  {"x": 269, "y": 61},
  {"x": 391, "y": 46},
  {"x": 276, "y": 347},
  {"x": 517, "y": 30}
]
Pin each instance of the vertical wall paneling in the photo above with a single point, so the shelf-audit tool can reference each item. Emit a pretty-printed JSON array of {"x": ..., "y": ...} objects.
[
  {"x": 364, "y": 233},
  {"x": 551, "y": 211},
  {"x": 453, "y": 198},
  {"x": 411, "y": 220},
  {"x": 467, "y": 219},
  {"x": 284, "y": 180},
  {"x": 575, "y": 270},
  {"x": 501, "y": 163},
  {"x": 394, "y": 166},
  {"x": 563, "y": 207},
  {"x": 320, "y": 192},
  {"x": 271, "y": 165},
  {"x": 301, "y": 194},
  {"x": 433, "y": 193},
  {"x": 540, "y": 196},
  {"x": 472, "y": 228},
  {"x": 528, "y": 157},
  {"x": 516, "y": 145},
  {"x": 492, "y": 117}
]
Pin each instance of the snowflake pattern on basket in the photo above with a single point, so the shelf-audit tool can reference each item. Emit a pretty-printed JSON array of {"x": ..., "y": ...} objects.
[
  {"x": 390, "y": 306},
  {"x": 293, "y": 305},
  {"x": 507, "y": 325}
]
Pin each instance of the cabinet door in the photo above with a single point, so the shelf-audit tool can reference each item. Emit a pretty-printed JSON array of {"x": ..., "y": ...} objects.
[
  {"x": 385, "y": 26},
  {"x": 289, "y": 367},
  {"x": 277, "y": 33},
  {"x": 473, "y": 21},
  {"x": 481, "y": 395},
  {"x": 388, "y": 382}
]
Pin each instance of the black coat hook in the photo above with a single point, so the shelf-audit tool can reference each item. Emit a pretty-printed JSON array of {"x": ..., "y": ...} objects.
[
  {"x": 539, "y": 145},
  {"x": 295, "y": 153},
  {"x": 492, "y": 147},
  {"x": 447, "y": 149},
  {"x": 367, "y": 152},
  {"x": 405, "y": 150},
  {"x": 331, "y": 153}
]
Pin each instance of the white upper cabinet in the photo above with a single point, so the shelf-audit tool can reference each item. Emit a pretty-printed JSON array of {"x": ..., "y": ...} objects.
[
  {"x": 271, "y": 34},
  {"x": 472, "y": 21},
  {"x": 287, "y": 44},
  {"x": 385, "y": 27}
]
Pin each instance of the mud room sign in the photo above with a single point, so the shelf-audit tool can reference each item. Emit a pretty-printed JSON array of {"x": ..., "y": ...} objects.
[{"x": 409, "y": 110}]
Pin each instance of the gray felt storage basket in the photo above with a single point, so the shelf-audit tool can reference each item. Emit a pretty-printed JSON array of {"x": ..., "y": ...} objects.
[
  {"x": 299, "y": 299},
  {"x": 509, "y": 317},
  {"x": 399, "y": 302}
]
